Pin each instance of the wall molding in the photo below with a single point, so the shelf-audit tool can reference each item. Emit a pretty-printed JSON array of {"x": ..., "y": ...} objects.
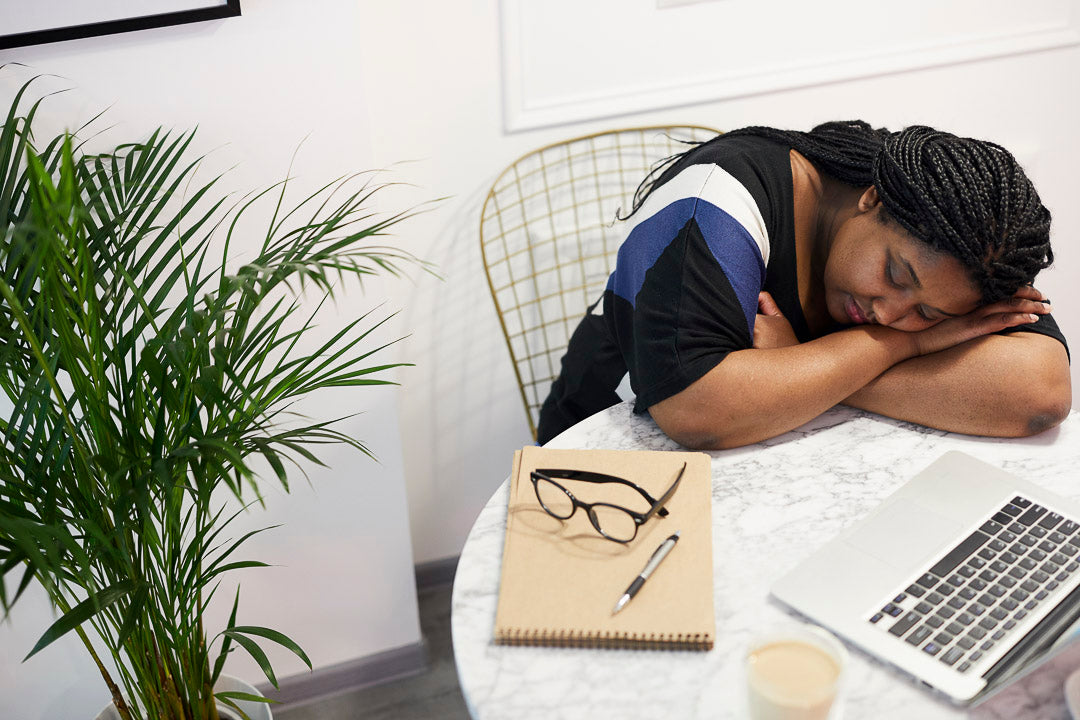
[
  {"x": 526, "y": 108},
  {"x": 382, "y": 667}
]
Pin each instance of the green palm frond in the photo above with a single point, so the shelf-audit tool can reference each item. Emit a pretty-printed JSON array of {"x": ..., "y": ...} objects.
[{"x": 144, "y": 374}]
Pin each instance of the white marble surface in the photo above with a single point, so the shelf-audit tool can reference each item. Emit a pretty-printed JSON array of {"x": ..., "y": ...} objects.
[{"x": 773, "y": 504}]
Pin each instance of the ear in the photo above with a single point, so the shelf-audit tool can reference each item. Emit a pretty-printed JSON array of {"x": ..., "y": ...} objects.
[{"x": 869, "y": 199}]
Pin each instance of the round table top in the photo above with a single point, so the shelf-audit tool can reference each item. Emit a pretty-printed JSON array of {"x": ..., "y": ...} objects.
[{"x": 773, "y": 504}]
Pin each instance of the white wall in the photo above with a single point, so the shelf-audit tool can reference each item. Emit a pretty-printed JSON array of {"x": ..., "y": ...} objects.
[{"x": 256, "y": 86}]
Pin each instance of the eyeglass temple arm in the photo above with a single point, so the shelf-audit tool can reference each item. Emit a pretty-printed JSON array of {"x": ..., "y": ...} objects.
[{"x": 666, "y": 496}]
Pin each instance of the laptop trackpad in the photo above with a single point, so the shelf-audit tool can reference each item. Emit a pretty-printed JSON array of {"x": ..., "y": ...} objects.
[{"x": 904, "y": 533}]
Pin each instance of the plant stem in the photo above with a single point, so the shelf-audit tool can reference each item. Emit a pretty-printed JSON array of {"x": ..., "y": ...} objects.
[
  {"x": 118, "y": 699},
  {"x": 213, "y": 706}
]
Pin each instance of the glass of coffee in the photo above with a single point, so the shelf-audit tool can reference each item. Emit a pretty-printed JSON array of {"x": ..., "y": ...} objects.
[{"x": 795, "y": 674}]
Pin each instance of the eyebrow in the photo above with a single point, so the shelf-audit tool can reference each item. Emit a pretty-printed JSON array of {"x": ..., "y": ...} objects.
[{"x": 915, "y": 280}]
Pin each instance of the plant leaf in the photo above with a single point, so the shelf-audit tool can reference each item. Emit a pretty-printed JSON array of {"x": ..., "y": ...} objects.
[
  {"x": 226, "y": 643},
  {"x": 256, "y": 653},
  {"x": 279, "y": 638},
  {"x": 236, "y": 695},
  {"x": 228, "y": 701},
  {"x": 81, "y": 613}
]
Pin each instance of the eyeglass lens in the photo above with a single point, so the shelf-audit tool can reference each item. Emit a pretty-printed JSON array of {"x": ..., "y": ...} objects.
[
  {"x": 609, "y": 520},
  {"x": 613, "y": 522},
  {"x": 554, "y": 498}
]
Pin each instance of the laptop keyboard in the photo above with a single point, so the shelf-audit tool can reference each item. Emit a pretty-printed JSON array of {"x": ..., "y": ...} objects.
[{"x": 973, "y": 598}]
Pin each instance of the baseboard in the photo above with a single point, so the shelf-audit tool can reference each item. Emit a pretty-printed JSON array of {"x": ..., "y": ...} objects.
[
  {"x": 435, "y": 573},
  {"x": 381, "y": 667},
  {"x": 374, "y": 669}
]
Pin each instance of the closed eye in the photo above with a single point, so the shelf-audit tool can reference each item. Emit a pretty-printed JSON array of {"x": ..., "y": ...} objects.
[{"x": 890, "y": 273}]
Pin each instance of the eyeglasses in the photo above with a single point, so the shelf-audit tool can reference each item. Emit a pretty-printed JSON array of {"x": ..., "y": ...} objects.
[{"x": 614, "y": 522}]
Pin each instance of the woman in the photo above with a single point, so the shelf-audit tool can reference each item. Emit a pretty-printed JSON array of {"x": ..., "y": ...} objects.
[{"x": 768, "y": 275}]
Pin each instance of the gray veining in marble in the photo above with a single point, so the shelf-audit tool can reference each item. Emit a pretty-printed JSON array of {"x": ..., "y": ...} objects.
[{"x": 773, "y": 504}]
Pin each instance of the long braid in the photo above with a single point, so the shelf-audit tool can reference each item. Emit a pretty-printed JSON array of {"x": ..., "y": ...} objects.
[
  {"x": 843, "y": 149},
  {"x": 967, "y": 198}
]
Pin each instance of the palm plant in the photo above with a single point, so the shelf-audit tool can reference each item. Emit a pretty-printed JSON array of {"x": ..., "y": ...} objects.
[{"x": 146, "y": 379}]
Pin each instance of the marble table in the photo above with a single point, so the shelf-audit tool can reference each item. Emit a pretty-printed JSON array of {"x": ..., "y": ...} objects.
[{"x": 773, "y": 504}]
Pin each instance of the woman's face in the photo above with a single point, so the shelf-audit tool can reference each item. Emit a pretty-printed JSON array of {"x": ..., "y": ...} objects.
[{"x": 876, "y": 272}]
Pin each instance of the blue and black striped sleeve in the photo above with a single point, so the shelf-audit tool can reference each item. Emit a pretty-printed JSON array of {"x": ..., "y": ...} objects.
[{"x": 684, "y": 291}]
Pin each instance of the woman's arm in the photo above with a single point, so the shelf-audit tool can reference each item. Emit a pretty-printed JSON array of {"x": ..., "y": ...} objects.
[
  {"x": 1001, "y": 385},
  {"x": 762, "y": 392},
  {"x": 756, "y": 394}
]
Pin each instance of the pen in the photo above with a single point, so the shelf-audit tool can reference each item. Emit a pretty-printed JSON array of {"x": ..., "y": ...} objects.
[{"x": 657, "y": 557}]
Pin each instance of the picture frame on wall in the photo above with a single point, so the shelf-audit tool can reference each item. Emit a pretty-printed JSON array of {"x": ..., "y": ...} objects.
[{"x": 47, "y": 21}]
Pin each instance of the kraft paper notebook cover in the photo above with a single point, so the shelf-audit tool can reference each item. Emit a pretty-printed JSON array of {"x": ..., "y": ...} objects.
[{"x": 561, "y": 579}]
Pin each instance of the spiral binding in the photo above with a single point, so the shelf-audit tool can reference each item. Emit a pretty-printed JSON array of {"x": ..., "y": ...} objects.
[{"x": 604, "y": 640}]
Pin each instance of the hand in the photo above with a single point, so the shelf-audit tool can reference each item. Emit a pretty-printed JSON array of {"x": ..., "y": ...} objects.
[
  {"x": 771, "y": 328},
  {"x": 1022, "y": 308}
]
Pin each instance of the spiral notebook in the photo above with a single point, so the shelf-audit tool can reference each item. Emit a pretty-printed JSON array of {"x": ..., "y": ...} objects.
[{"x": 561, "y": 579}]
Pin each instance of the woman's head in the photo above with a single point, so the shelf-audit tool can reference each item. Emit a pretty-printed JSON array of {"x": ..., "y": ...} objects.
[
  {"x": 947, "y": 224},
  {"x": 969, "y": 199},
  {"x": 965, "y": 199},
  {"x": 876, "y": 271}
]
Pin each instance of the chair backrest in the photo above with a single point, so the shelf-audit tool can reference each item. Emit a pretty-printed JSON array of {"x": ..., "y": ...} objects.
[{"x": 549, "y": 237}]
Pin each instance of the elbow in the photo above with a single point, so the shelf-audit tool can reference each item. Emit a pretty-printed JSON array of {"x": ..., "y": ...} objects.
[
  {"x": 1036, "y": 394},
  {"x": 695, "y": 430},
  {"x": 1048, "y": 415},
  {"x": 697, "y": 441},
  {"x": 1040, "y": 422},
  {"x": 688, "y": 432},
  {"x": 1048, "y": 402}
]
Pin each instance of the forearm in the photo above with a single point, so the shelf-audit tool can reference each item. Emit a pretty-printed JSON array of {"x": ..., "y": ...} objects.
[
  {"x": 998, "y": 385},
  {"x": 756, "y": 394}
]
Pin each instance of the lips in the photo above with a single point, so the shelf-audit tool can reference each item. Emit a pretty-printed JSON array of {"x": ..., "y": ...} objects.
[{"x": 854, "y": 312}]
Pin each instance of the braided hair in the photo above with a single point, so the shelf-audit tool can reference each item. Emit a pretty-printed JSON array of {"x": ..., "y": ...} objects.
[{"x": 964, "y": 197}]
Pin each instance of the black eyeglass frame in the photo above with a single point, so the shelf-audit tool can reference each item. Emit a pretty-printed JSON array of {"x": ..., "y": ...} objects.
[{"x": 656, "y": 506}]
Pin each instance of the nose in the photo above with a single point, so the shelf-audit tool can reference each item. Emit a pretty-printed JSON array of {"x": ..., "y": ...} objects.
[{"x": 888, "y": 310}]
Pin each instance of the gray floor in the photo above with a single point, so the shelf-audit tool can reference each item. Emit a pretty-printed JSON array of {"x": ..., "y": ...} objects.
[{"x": 432, "y": 694}]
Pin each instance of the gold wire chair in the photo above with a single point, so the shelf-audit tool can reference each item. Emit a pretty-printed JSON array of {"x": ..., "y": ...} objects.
[{"x": 549, "y": 236}]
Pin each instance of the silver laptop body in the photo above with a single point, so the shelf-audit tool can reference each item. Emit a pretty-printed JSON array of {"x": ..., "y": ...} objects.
[{"x": 992, "y": 540}]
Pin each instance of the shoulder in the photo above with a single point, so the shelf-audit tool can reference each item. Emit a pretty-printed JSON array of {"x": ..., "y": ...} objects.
[
  {"x": 756, "y": 162},
  {"x": 718, "y": 202},
  {"x": 751, "y": 168},
  {"x": 727, "y": 168}
]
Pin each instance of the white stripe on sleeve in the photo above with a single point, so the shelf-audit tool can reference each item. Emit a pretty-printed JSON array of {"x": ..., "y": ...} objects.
[{"x": 717, "y": 186}]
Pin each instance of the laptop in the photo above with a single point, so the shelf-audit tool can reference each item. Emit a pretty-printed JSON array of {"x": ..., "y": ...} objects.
[
  {"x": 960, "y": 579},
  {"x": 1045, "y": 688}
]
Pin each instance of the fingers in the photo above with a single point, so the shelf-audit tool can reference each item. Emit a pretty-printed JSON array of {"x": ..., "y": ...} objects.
[
  {"x": 1029, "y": 300},
  {"x": 767, "y": 306},
  {"x": 1012, "y": 319},
  {"x": 1026, "y": 301},
  {"x": 992, "y": 323},
  {"x": 987, "y": 320},
  {"x": 1029, "y": 293}
]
